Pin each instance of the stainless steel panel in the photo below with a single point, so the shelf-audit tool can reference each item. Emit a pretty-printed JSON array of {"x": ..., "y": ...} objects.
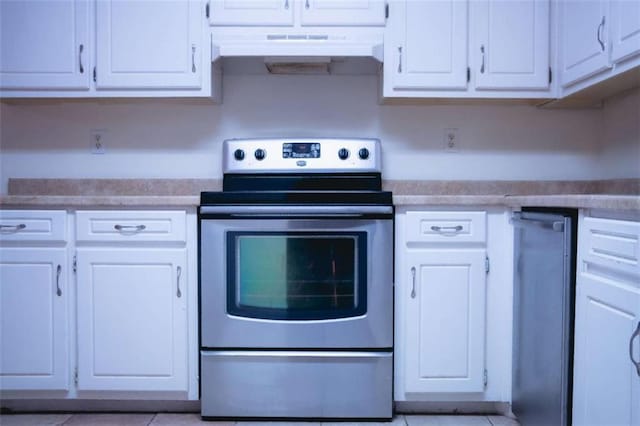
[
  {"x": 329, "y": 162},
  {"x": 542, "y": 319},
  {"x": 372, "y": 330},
  {"x": 285, "y": 211},
  {"x": 297, "y": 384}
]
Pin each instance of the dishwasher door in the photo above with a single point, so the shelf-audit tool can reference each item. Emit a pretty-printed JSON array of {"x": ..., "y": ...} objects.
[{"x": 544, "y": 286}]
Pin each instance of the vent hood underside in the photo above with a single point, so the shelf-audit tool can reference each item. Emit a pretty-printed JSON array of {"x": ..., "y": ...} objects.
[{"x": 294, "y": 51}]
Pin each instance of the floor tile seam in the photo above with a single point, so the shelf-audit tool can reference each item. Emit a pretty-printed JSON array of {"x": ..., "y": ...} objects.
[
  {"x": 489, "y": 420},
  {"x": 152, "y": 418}
]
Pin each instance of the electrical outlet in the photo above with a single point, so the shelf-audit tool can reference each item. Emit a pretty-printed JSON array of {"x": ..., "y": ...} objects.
[
  {"x": 98, "y": 141},
  {"x": 451, "y": 140}
]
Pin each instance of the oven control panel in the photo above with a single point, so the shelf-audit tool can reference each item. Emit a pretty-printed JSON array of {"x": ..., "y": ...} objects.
[{"x": 300, "y": 155}]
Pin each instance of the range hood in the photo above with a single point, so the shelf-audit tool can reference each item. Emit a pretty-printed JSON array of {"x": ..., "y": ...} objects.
[{"x": 294, "y": 50}]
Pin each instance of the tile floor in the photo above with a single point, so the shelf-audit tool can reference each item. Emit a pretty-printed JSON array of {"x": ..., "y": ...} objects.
[{"x": 166, "y": 419}]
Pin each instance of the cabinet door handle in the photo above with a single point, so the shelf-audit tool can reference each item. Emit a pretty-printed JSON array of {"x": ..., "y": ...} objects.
[
  {"x": 12, "y": 228},
  {"x": 58, "y": 272},
  {"x": 399, "y": 59},
  {"x": 179, "y": 273},
  {"x": 413, "y": 282},
  {"x": 600, "y": 28},
  {"x": 633, "y": 336},
  {"x": 456, "y": 228},
  {"x": 80, "y": 50},
  {"x": 193, "y": 58},
  {"x": 286, "y": 4},
  {"x": 306, "y": 4},
  {"x": 129, "y": 228},
  {"x": 482, "y": 65}
]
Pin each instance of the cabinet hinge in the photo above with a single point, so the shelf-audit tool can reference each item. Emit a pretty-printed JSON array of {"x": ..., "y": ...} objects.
[
  {"x": 206, "y": 10},
  {"x": 485, "y": 378},
  {"x": 95, "y": 75},
  {"x": 386, "y": 10},
  {"x": 468, "y": 74},
  {"x": 75, "y": 264},
  {"x": 550, "y": 75},
  {"x": 75, "y": 376},
  {"x": 486, "y": 264}
]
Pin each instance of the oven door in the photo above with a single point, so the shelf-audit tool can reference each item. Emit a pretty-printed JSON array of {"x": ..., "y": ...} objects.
[{"x": 296, "y": 277}]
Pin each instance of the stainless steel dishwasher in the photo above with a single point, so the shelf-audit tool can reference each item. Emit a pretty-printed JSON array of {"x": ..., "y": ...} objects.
[{"x": 544, "y": 299}]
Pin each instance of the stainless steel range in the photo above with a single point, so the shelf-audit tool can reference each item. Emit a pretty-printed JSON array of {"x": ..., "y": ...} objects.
[{"x": 296, "y": 282}]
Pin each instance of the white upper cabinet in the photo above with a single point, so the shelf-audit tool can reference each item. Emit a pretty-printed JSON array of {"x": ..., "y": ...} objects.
[
  {"x": 143, "y": 44},
  {"x": 461, "y": 48},
  {"x": 342, "y": 12},
  {"x": 426, "y": 45},
  {"x": 625, "y": 29},
  {"x": 510, "y": 47},
  {"x": 251, "y": 12},
  {"x": 583, "y": 32},
  {"x": 286, "y": 12},
  {"x": 45, "y": 44}
]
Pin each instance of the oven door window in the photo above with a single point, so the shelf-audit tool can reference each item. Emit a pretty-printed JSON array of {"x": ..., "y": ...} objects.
[{"x": 296, "y": 275}]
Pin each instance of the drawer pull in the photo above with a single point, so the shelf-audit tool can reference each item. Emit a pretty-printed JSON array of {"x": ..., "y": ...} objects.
[
  {"x": 12, "y": 228},
  {"x": 129, "y": 228},
  {"x": 456, "y": 228},
  {"x": 413, "y": 280},
  {"x": 179, "y": 273},
  {"x": 58, "y": 271},
  {"x": 633, "y": 336}
]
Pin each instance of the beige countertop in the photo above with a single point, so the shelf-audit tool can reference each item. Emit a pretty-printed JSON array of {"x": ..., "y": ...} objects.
[{"x": 184, "y": 193}]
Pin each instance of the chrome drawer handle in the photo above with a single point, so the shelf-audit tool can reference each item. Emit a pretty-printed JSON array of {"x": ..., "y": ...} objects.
[
  {"x": 413, "y": 280},
  {"x": 58, "y": 271},
  {"x": 179, "y": 273},
  {"x": 600, "y": 27},
  {"x": 12, "y": 228},
  {"x": 456, "y": 228},
  {"x": 633, "y": 336},
  {"x": 129, "y": 228}
]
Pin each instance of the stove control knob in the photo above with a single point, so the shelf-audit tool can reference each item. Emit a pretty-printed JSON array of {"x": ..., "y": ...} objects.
[
  {"x": 260, "y": 154},
  {"x": 343, "y": 153},
  {"x": 238, "y": 154},
  {"x": 363, "y": 153}
]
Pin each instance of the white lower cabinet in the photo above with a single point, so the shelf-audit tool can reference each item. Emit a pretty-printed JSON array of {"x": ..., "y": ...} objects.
[
  {"x": 453, "y": 305},
  {"x": 132, "y": 319},
  {"x": 34, "y": 319},
  {"x": 606, "y": 385},
  {"x": 445, "y": 337}
]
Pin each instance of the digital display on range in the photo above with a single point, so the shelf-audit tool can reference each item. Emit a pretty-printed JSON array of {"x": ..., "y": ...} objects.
[{"x": 301, "y": 150}]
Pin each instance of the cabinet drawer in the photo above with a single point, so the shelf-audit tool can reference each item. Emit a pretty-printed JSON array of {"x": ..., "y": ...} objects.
[
  {"x": 33, "y": 225},
  {"x": 611, "y": 243},
  {"x": 458, "y": 227},
  {"x": 168, "y": 226}
]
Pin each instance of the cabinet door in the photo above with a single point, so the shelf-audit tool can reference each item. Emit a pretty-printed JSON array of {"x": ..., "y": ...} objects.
[
  {"x": 251, "y": 12},
  {"x": 34, "y": 321},
  {"x": 625, "y": 29},
  {"x": 445, "y": 333},
  {"x": 510, "y": 46},
  {"x": 146, "y": 44},
  {"x": 583, "y": 37},
  {"x": 606, "y": 386},
  {"x": 132, "y": 330},
  {"x": 343, "y": 12},
  {"x": 426, "y": 44},
  {"x": 44, "y": 44}
]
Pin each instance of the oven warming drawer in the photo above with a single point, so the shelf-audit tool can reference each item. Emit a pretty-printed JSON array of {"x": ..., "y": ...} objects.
[{"x": 297, "y": 384}]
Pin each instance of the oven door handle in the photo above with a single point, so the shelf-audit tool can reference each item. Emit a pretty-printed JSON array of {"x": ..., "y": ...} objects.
[{"x": 286, "y": 212}]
